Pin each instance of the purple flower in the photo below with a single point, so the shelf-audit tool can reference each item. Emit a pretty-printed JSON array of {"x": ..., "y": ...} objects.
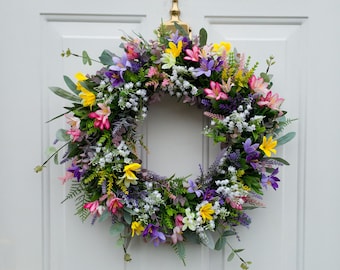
[
  {"x": 251, "y": 151},
  {"x": 270, "y": 180},
  {"x": 156, "y": 236},
  {"x": 115, "y": 77},
  {"x": 76, "y": 170},
  {"x": 193, "y": 188},
  {"x": 205, "y": 68},
  {"x": 116, "y": 71},
  {"x": 209, "y": 194}
]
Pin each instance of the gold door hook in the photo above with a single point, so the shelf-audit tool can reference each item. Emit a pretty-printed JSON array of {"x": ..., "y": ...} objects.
[{"x": 174, "y": 13}]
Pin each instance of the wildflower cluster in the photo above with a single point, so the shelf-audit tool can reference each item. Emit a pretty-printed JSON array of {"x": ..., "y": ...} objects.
[{"x": 101, "y": 140}]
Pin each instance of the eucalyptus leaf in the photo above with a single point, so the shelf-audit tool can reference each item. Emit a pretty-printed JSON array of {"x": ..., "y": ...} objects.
[
  {"x": 62, "y": 136},
  {"x": 116, "y": 229},
  {"x": 51, "y": 150},
  {"x": 228, "y": 233},
  {"x": 231, "y": 256},
  {"x": 86, "y": 58},
  {"x": 286, "y": 138},
  {"x": 209, "y": 240},
  {"x": 220, "y": 243},
  {"x": 103, "y": 216},
  {"x": 106, "y": 58},
  {"x": 65, "y": 94},
  {"x": 71, "y": 85},
  {"x": 120, "y": 242},
  {"x": 127, "y": 217},
  {"x": 56, "y": 159},
  {"x": 265, "y": 77}
]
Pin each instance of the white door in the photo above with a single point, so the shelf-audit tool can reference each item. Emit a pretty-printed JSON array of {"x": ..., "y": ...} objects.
[{"x": 298, "y": 229}]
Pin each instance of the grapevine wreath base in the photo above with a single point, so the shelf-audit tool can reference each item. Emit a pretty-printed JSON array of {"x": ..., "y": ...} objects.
[{"x": 107, "y": 177}]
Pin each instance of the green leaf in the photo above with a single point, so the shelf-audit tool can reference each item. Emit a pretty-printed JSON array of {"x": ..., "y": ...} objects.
[
  {"x": 103, "y": 216},
  {"x": 209, "y": 240},
  {"x": 62, "y": 136},
  {"x": 65, "y": 94},
  {"x": 228, "y": 233},
  {"x": 181, "y": 30},
  {"x": 117, "y": 228},
  {"x": 203, "y": 37},
  {"x": 127, "y": 217},
  {"x": 56, "y": 159},
  {"x": 220, "y": 243},
  {"x": 71, "y": 85},
  {"x": 120, "y": 242},
  {"x": 286, "y": 138},
  {"x": 265, "y": 77},
  {"x": 86, "y": 58},
  {"x": 231, "y": 256},
  {"x": 281, "y": 160},
  {"x": 106, "y": 58},
  {"x": 238, "y": 250}
]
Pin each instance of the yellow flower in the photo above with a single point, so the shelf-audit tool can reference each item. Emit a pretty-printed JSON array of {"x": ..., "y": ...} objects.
[
  {"x": 268, "y": 146},
  {"x": 80, "y": 77},
  {"x": 206, "y": 211},
  {"x": 136, "y": 228},
  {"x": 129, "y": 176},
  {"x": 89, "y": 99},
  {"x": 221, "y": 47},
  {"x": 175, "y": 50}
]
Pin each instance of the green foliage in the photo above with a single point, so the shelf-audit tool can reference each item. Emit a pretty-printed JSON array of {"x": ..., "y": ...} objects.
[
  {"x": 106, "y": 58},
  {"x": 86, "y": 58},
  {"x": 203, "y": 37},
  {"x": 71, "y": 85},
  {"x": 179, "y": 249},
  {"x": 117, "y": 228},
  {"x": 286, "y": 138},
  {"x": 62, "y": 136},
  {"x": 65, "y": 94}
]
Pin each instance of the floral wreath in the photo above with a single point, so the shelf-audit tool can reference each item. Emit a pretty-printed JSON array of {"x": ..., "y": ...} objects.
[{"x": 106, "y": 173}]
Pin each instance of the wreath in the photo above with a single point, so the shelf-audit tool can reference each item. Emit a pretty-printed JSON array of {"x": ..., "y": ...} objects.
[{"x": 101, "y": 145}]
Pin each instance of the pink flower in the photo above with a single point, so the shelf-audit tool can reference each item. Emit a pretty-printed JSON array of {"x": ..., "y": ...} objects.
[
  {"x": 130, "y": 52},
  {"x": 179, "y": 221},
  {"x": 113, "y": 203},
  {"x": 258, "y": 85},
  {"x": 94, "y": 208},
  {"x": 215, "y": 91},
  {"x": 68, "y": 175},
  {"x": 75, "y": 134},
  {"x": 101, "y": 116},
  {"x": 192, "y": 55},
  {"x": 177, "y": 235},
  {"x": 271, "y": 101},
  {"x": 152, "y": 72},
  {"x": 73, "y": 121}
]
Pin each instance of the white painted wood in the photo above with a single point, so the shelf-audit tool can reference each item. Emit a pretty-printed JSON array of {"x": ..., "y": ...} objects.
[{"x": 299, "y": 228}]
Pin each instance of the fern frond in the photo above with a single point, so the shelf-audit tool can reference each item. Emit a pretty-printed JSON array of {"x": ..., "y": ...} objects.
[
  {"x": 90, "y": 178},
  {"x": 283, "y": 122},
  {"x": 214, "y": 115},
  {"x": 104, "y": 138},
  {"x": 75, "y": 189},
  {"x": 179, "y": 249}
]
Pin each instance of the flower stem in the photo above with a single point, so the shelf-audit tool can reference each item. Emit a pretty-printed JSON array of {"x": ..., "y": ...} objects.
[{"x": 39, "y": 168}]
